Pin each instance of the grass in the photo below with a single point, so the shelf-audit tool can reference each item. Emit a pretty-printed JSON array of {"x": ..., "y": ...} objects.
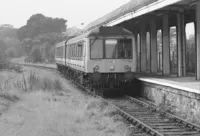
[
  {"x": 70, "y": 112},
  {"x": 86, "y": 116}
]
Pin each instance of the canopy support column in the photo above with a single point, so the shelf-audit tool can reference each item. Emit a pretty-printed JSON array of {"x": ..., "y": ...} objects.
[
  {"x": 143, "y": 49},
  {"x": 198, "y": 40},
  {"x": 181, "y": 44},
  {"x": 166, "y": 65},
  {"x": 153, "y": 36}
]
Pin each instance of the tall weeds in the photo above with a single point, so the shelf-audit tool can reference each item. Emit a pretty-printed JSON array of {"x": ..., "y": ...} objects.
[
  {"x": 29, "y": 81},
  {"x": 35, "y": 82}
]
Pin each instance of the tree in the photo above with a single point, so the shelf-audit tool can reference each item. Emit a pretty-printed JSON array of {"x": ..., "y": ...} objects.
[
  {"x": 2, "y": 45},
  {"x": 10, "y": 52},
  {"x": 9, "y": 40},
  {"x": 7, "y": 30},
  {"x": 47, "y": 43},
  {"x": 73, "y": 31},
  {"x": 36, "y": 55},
  {"x": 27, "y": 44},
  {"x": 39, "y": 24}
]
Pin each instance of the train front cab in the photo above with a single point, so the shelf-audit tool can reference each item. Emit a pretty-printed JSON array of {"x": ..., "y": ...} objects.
[{"x": 112, "y": 63}]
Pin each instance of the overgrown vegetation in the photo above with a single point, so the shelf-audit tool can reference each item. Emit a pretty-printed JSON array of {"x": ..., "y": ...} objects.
[
  {"x": 63, "y": 110},
  {"x": 27, "y": 81},
  {"x": 87, "y": 116},
  {"x": 6, "y": 64}
]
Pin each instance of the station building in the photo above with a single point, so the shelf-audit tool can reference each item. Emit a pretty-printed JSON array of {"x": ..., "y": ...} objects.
[{"x": 168, "y": 57}]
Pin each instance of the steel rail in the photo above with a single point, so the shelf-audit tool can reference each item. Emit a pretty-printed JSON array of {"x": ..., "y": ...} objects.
[{"x": 169, "y": 115}]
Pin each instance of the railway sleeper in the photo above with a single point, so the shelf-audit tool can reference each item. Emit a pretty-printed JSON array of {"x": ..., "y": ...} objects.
[
  {"x": 154, "y": 121},
  {"x": 143, "y": 134},
  {"x": 134, "y": 107},
  {"x": 149, "y": 119},
  {"x": 180, "y": 133},
  {"x": 137, "y": 110},
  {"x": 164, "y": 124},
  {"x": 154, "y": 118},
  {"x": 165, "y": 127},
  {"x": 173, "y": 130},
  {"x": 144, "y": 116},
  {"x": 143, "y": 113}
]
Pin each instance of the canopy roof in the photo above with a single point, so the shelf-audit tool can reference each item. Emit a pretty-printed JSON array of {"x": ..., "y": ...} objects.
[{"x": 131, "y": 6}]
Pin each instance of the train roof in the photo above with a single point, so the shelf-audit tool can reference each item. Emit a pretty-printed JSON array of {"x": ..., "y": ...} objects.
[{"x": 103, "y": 31}]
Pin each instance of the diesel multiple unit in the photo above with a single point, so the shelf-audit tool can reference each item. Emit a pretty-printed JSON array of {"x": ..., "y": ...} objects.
[{"x": 104, "y": 57}]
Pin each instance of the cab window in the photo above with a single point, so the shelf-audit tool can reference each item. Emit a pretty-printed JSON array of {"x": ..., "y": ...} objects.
[{"x": 96, "y": 48}]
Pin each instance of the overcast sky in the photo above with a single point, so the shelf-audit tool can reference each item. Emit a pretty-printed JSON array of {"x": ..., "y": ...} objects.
[{"x": 17, "y": 12}]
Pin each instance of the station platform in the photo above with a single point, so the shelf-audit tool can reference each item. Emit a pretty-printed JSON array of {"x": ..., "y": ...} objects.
[
  {"x": 177, "y": 95},
  {"x": 187, "y": 83}
]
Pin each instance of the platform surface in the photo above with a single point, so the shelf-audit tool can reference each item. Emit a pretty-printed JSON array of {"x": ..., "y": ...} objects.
[{"x": 183, "y": 83}]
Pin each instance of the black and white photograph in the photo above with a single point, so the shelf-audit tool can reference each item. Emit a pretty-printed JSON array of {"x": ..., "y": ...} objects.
[{"x": 100, "y": 68}]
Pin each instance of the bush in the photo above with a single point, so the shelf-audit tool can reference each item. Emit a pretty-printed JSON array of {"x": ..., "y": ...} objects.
[{"x": 36, "y": 55}]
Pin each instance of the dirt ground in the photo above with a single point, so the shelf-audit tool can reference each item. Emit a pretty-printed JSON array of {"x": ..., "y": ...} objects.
[{"x": 57, "y": 113}]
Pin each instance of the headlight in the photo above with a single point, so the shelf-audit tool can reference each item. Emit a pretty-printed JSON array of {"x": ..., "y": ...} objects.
[
  {"x": 127, "y": 68},
  {"x": 96, "y": 68}
]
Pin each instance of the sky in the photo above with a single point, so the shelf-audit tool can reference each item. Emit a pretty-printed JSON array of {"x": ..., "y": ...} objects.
[
  {"x": 17, "y": 12},
  {"x": 76, "y": 12}
]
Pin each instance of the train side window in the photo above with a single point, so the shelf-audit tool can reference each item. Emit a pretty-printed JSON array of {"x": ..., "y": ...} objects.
[
  {"x": 81, "y": 51},
  {"x": 80, "y": 45},
  {"x": 74, "y": 51},
  {"x": 96, "y": 48},
  {"x": 69, "y": 51},
  {"x": 77, "y": 52}
]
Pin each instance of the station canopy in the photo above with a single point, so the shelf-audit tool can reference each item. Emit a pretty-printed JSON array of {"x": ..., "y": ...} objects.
[{"x": 133, "y": 6}]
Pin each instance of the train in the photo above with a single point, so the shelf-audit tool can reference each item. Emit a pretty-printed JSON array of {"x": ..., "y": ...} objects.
[{"x": 101, "y": 59}]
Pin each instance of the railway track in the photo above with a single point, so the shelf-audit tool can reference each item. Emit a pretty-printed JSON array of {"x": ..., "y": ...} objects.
[
  {"x": 151, "y": 120},
  {"x": 146, "y": 119}
]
